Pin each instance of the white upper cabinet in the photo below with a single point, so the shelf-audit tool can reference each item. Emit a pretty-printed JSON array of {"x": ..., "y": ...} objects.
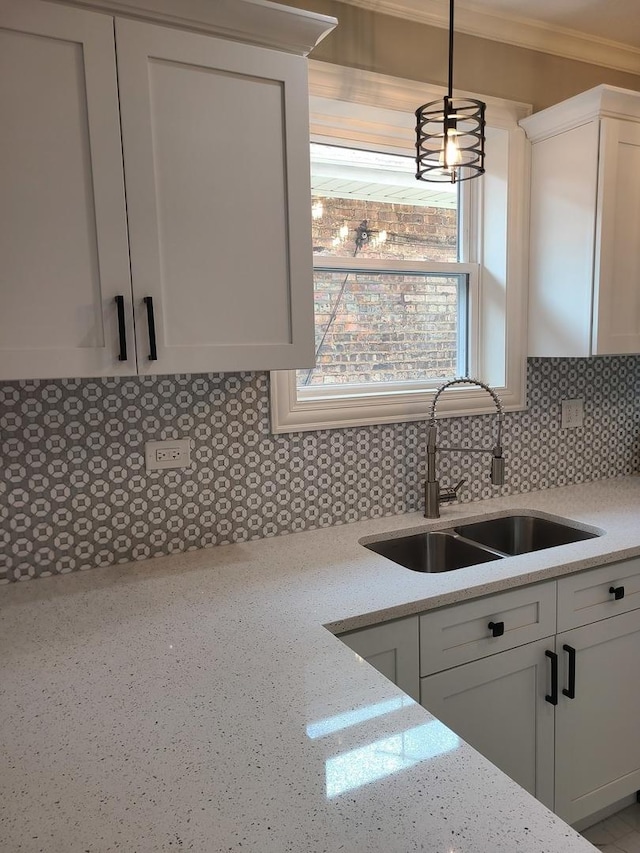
[
  {"x": 215, "y": 139},
  {"x": 63, "y": 236},
  {"x": 584, "y": 275},
  {"x": 208, "y": 264}
]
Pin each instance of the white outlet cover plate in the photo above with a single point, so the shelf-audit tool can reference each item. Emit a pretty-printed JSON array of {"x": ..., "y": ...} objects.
[
  {"x": 572, "y": 413},
  {"x": 176, "y": 453}
]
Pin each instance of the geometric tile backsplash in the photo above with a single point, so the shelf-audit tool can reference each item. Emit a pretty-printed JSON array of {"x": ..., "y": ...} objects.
[{"x": 74, "y": 492}]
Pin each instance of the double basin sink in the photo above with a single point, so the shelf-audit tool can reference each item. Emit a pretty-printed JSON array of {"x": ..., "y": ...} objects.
[{"x": 478, "y": 542}]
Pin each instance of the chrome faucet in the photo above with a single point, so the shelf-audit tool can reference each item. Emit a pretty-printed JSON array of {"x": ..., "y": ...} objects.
[{"x": 433, "y": 495}]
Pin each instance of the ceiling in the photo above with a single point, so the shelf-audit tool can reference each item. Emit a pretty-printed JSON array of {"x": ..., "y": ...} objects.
[
  {"x": 606, "y": 32},
  {"x": 614, "y": 20}
]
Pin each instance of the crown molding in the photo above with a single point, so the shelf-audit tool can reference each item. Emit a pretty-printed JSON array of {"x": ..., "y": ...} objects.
[
  {"x": 521, "y": 32},
  {"x": 599, "y": 102},
  {"x": 257, "y": 22}
]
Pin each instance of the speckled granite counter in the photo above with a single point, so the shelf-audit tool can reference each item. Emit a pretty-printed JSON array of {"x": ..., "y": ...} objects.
[{"x": 195, "y": 702}]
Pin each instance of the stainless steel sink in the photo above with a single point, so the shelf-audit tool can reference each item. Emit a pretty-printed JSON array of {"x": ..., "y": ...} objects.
[
  {"x": 440, "y": 551},
  {"x": 478, "y": 542},
  {"x": 521, "y": 534}
]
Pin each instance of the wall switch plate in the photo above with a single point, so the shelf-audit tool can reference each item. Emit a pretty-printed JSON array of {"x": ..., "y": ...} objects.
[
  {"x": 572, "y": 413},
  {"x": 174, "y": 453}
]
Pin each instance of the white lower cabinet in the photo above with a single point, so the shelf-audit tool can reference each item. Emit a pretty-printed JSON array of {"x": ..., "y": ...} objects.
[
  {"x": 392, "y": 649},
  {"x": 557, "y": 712},
  {"x": 597, "y": 742},
  {"x": 498, "y": 705}
]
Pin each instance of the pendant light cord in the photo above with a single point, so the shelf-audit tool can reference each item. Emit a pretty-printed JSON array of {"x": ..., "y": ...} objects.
[
  {"x": 450, "y": 131},
  {"x": 450, "y": 49}
]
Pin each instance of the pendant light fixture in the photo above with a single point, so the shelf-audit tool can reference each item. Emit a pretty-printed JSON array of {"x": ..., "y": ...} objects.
[{"x": 450, "y": 134}]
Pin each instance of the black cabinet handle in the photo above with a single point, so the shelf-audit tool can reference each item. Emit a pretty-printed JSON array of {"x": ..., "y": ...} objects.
[
  {"x": 496, "y": 628},
  {"x": 617, "y": 592},
  {"x": 571, "y": 690},
  {"x": 153, "y": 350},
  {"x": 553, "y": 696},
  {"x": 122, "y": 330}
]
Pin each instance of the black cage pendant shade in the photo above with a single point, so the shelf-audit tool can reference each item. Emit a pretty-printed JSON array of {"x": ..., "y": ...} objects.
[{"x": 450, "y": 134}]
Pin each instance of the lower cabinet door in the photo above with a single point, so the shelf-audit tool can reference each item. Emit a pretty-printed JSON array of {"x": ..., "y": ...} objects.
[
  {"x": 392, "y": 649},
  {"x": 597, "y": 740},
  {"x": 498, "y": 705}
]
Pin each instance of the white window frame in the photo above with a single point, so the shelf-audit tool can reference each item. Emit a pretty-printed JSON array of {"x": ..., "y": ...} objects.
[{"x": 375, "y": 110}]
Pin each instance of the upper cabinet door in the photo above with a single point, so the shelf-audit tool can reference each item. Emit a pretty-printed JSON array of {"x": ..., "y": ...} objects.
[
  {"x": 617, "y": 262},
  {"x": 63, "y": 238},
  {"x": 564, "y": 184},
  {"x": 584, "y": 265},
  {"x": 215, "y": 141}
]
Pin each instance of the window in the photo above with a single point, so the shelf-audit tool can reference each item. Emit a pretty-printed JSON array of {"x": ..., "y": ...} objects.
[
  {"x": 390, "y": 297},
  {"x": 410, "y": 277}
]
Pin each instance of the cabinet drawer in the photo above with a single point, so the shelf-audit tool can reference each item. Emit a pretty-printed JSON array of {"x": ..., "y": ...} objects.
[
  {"x": 461, "y": 633},
  {"x": 586, "y": 596}
]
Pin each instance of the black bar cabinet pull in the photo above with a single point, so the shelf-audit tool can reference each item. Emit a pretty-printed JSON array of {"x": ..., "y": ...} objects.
[
  {"x": 153, "y": 350},
  {"x": 571, "y": 690},
  {"x": 617, "y": 592},
  {"x": 553, "y": 696},
  {"x": 122, "y": 330},
  {"x": 496, "y": 628}
]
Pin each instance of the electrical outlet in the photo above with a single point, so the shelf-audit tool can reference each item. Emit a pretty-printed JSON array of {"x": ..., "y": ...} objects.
[
  {"x": 572, "y": 413},
  {"x": 168, "y": 454},
  {"x": 175, "y": 453}
]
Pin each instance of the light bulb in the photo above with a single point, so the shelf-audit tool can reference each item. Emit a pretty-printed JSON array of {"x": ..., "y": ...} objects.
[{"x": 450, "y": 155}]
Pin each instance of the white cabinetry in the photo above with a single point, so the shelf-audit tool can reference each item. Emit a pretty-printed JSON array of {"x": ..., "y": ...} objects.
[
  {"x": 485, "y": 626},
  {"x": 63, "y": 233},
  {"x": 497, "y": 704},
  {"x": 216, "y": 228},
  {"x": 215, "y": 140},
  {"x": 495, "y": 700},
  {"x": 392, "y": 649},
  {"x": 585, "y": 221},
  {"x": 598, "y": 594},
  {"x": 551, "y": 698},
  {"x": 597, "y": 745},
  {"x": 502, "y": 706}
]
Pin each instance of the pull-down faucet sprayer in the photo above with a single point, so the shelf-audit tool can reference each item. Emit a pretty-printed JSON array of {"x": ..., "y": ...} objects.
[{"x": 433, "y": 496}]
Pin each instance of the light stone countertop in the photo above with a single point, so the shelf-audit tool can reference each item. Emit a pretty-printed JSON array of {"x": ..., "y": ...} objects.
[{"x": 196, "y": 702}]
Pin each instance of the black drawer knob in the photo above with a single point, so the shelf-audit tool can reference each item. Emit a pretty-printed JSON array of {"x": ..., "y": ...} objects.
[
  {"x": 617, "y": 592},
  {"x": 496, "y": 628}
]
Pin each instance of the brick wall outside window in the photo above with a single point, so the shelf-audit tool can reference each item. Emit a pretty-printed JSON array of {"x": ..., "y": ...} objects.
[{"x": 384, "y": 327}]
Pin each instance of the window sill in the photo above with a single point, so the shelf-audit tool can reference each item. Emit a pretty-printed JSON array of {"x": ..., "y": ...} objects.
[{"x": 289, "y": 414}]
